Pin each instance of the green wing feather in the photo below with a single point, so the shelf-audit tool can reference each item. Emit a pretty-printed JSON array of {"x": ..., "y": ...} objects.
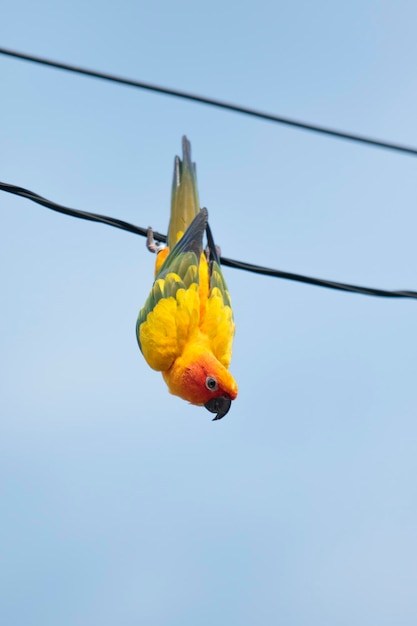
[{"x": 218, "y": 282}]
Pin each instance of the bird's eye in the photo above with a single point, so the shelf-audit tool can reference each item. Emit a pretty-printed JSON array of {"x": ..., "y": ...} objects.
[{"x": 211, "y": 383}]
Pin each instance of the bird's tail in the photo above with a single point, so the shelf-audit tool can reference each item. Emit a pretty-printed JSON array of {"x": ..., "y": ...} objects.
[{"x": 184, "y": 199}]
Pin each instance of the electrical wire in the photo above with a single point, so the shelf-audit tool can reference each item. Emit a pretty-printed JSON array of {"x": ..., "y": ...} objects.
[
  {"x": 377, "y": 143},
  {"x": 256, "y": 269},
  {"x": 84, "y": 215}
]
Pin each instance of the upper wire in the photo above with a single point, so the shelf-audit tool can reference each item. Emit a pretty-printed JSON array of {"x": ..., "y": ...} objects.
[
  {"x": 377, "y": 143},
  {"x": 249, "y": 267}
]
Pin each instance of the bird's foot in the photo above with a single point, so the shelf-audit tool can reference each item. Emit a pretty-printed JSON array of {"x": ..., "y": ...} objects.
[
  {"x": 151, "y": 244},
  {"x": 208, "y": 255}
]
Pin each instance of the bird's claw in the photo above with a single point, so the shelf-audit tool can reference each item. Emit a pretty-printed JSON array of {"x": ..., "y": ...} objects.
[
  {"x": 151, "y": 244},
  {"x": 208, "y": 253}
]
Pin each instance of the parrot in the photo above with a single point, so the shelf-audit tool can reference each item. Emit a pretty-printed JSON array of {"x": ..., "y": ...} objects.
[{"x": 185, "y": 329}]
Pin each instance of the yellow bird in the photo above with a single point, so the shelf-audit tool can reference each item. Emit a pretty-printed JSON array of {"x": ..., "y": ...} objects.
[{"x": 185, "y": 329}]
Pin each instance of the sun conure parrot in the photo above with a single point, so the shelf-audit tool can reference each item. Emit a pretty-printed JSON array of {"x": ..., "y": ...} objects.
[{"x": 185, "y": 329}]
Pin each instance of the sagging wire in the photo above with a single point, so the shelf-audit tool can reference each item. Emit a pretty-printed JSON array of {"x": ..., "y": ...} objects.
[
  {"x": 376, "y": 143},
  {"x": 242, "y": 265}
]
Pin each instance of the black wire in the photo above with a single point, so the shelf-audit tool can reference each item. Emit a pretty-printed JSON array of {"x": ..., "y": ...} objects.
[
  {"x": 212, "y": 102},
  {"x": 320, "y": 282},
  {"x": 256, "y": 269},
  {"x": 84, "y": 215}
]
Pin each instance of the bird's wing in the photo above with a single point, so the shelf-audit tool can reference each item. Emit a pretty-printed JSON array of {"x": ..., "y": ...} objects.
[
  {"x": 218, "y": 322},
  {"x": 172, "y": 310}
]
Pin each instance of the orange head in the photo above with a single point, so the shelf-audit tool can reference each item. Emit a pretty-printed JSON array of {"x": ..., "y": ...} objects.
[{"x": 197, "y": 376}]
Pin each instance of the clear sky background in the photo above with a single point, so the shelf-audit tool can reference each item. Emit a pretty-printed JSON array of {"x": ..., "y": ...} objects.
[{"x": 121, "y": 504}]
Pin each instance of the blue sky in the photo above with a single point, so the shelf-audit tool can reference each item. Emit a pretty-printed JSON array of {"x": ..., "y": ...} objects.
[{"x": 123, "y": 504}]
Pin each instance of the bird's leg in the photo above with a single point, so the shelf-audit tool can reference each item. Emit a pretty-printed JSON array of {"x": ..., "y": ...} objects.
[
  {"x": 207, "y": 252},
  {"x": 151, "y": 244}
]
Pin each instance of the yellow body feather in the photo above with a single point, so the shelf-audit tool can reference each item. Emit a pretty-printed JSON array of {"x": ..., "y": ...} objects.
[{"x": 191, "y": 316}]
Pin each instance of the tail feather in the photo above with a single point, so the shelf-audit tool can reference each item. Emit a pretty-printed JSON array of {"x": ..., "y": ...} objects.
[{"x": 184, "y": 199}]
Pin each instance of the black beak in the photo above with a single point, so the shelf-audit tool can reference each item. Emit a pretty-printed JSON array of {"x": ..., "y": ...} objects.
[{"x": 220, "y": 405}]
